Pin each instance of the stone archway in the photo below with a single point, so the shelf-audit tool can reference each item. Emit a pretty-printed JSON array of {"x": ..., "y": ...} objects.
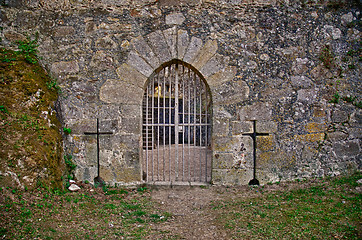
[
  {"x": 147, "y": 53},
  {"x": 176, "y": 125}
]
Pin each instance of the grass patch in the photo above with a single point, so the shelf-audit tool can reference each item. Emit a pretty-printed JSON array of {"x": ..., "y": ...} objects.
[
  {"x": 325, "y": 210},
  {"x": 78, "y": 215}
]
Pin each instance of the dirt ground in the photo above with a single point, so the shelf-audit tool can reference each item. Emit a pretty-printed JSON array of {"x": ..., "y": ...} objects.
[{"x": 190, "y": 209}]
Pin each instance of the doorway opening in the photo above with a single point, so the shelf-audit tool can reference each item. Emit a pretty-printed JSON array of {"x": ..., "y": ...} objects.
[{"x": 176, "y": 127}]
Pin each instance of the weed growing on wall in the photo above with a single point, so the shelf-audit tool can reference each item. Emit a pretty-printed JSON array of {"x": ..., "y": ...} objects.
[
  {"x": 28, "y": 49},
  {"x": 327, "y": 57}
]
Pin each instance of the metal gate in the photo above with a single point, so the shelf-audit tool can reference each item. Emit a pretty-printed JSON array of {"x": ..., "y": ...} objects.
[{"x": 176, "y": 125}]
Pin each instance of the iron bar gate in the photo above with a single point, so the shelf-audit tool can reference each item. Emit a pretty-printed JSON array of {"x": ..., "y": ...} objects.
[{"x": 176, "y": 125}]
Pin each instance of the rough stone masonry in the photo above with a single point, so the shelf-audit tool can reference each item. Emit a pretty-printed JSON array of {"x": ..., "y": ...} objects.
[{"x": 293, "y": 66}]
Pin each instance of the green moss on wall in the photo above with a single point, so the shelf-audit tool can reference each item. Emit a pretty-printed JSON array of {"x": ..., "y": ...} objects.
[{"x": 30, "y": 141}]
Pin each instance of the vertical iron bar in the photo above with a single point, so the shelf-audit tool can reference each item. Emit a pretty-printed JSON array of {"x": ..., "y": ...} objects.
[
  {"x": 206, "y": 131},
  {"x": 164, "y": 122},
  {"x": 158, "y": 127},
  {"x": 189, "y": 121},
  {"x": 170, "y": 121},
  {"x": 200, "y": 128},
  {"x": 153, "y": 116},
  {"x": 194, "y": 114},
  {"x": 147, "y": 128},
  {"x": 176, "y": 120},
  {"x": 183, "y": 123}
]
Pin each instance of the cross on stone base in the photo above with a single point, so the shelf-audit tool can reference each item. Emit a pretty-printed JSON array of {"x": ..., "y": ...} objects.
[
  {"x": 253, "y": 135},
  {"x": 98, "y": 179}
]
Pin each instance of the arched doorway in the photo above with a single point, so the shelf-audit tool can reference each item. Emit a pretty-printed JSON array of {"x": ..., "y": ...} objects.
[{"x": 176, "y": 127}]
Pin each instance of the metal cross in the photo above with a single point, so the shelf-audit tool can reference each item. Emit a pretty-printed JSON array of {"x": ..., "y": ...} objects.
[
  {"x": 253, "y": 135},
  {"x": 98, "y": 178}
]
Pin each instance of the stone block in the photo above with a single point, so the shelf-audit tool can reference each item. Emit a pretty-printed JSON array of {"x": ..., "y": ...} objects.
[
  {"x": 102, "y": 61},
  {"x": 223, "y": 161},
  {"x": 265, "y": 143},
  {"x": 266, "y": 127},
  {"x": 171, "y": 39},
  {"x": 301, "y": 82},
  {"x": 220, "y": 112},
  {"x": 115, "y": 91},
  {"x": 234, "y": 160},
  {"x": 130, "y": 75},
  {"x": 127, "y": 175},
  {"x": 79, "y": 126},
  {"x": 90, "y": 151},
  {"x": 231, "y": 176},
  {"x": 340, "y": 116},
  {"x": 233, "y": 144},
  {"x": 337, "y": 136},
  {"x": 90, "y": 27},
  {"x": 348, "y": 149},
  {"x": 173, "y": 3},
  {"x": 192, "y": 50},
  {"x": 63, "y": 31},
  {"x": 309, "y": 138},
  {"x": 182, "y": 43},
  {"x": 138, "y": 63},
  {"x": 130, "y": 110},
  {"x": 106, "y": 43},
  {"x": 234, "y": 92},
  {"x": 220, "y": 127},
  {"x": 14, "y": 36},
  {"x": 101, "y": 111},
  {"x": 214, "y": 65},
  {"x": 176, "y": 18},
  {"x": 347, "y": 18},
  {"x": 129, "y": 141},
  {"x": 319, "y": 111},
  {"x": 355, "y": 133},
  {"x": 144, "y": 50},
  {"x": 108, "y": 125},
  {"x": 240, "y": 127},
  {"x": 257, "y": 111},
  {"x": 313, "y": 127},
  {"x": 300, "y": 65},
  {"x": 205, "y": 54},
  {"x": 224, "y": 75},
  {"x": 63, "y": 67},
  {"x": 130, "y": 125},
  {"x": 307, "y": 95},
  {"x": 159, "y": 46},
  {"x": 331, "y": 32}
]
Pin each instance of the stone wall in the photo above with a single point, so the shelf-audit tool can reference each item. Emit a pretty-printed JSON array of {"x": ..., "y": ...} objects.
[{"x": 294, "y": 66}]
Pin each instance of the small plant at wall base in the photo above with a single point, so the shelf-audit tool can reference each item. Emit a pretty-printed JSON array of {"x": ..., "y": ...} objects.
[
  {"x": 335, "y": 98},
  {"x": 53, "y": 85},
  {"x": 29, "y": 49},
  {"x": 67, "y": 130},
  {"x": 69, "y": 163},
  {"x": 327, "y": 57},
  {"x": 3, "y": 109}
]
